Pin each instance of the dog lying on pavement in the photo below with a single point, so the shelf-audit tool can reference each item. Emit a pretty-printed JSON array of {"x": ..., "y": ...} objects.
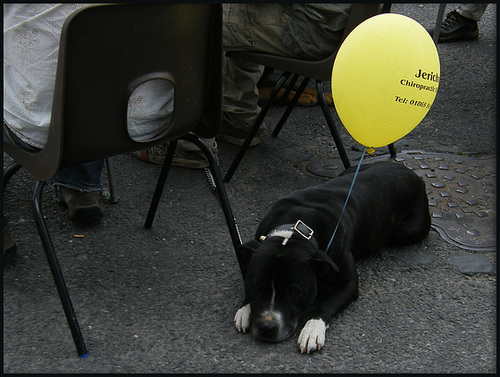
[{"x": 289, "y": 279}]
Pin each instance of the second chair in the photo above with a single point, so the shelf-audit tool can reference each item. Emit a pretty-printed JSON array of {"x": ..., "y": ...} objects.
[{"x": 320, "y": 70}]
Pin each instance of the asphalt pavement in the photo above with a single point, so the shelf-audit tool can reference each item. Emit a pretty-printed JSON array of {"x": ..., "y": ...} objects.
[{"x": 163, "y": 300}]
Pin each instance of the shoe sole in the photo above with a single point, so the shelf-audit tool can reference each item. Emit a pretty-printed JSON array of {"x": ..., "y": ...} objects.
[
  {"x": 190, "y": 164},
  {"x": 239, "y": 141},
  {"x": 468, "y": 35}
]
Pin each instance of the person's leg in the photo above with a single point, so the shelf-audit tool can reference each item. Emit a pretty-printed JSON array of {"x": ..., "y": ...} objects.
[
  {"x": 81, "y": 177},
  {"x": 79, "y": 188},
  {"x": 472, "y": 11},
  {"x": 247, "y": 27},
  {"x": 255, "y": 27},
  {"x": 461, "y": 23},
  {"x": 240, "y": 94}
]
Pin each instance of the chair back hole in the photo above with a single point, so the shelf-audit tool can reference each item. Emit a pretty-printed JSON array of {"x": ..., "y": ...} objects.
[{"x": 150, "y": 110}]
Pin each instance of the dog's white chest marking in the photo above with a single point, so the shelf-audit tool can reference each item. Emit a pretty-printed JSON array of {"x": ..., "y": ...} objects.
[
  {"x": 312, "y": 336},
  {"x": 242, "y": 318},
  {"x": 273, "y": 296}
]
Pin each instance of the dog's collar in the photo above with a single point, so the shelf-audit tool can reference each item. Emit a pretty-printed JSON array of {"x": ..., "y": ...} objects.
[{"x": 288, "y": 230}]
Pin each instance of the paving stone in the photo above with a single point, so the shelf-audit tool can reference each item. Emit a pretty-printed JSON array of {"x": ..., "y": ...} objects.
[
  {"x": 414, "y": 257},
  {"x": 471, "y": 264}
]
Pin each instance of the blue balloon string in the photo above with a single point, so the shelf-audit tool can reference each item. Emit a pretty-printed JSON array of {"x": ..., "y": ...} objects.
[{"x": 346, "y": 200}]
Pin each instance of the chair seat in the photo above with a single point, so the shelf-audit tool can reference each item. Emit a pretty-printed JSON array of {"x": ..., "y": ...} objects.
[{"x": 318, "y": 69}]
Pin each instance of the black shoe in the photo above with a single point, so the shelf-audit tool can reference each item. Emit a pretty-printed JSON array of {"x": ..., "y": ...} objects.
[
  {"x": 83, "y": 206},
  {"x": 456, "y": 26}
]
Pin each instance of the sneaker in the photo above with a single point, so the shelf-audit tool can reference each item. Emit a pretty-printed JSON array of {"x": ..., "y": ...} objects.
[
  {"x": 183, "y": 158},
  {"x": 456, "y": 26},
  {"x": 9, "y": 245},
  {"x": 237, "y": 136},
  {"x": 83, "y": 206},
  {"x": 155, "y": 155}
]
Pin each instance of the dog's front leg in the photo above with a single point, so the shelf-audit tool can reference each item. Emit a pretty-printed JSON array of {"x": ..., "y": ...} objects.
[
  {"x": 242, "y": 317},
  {"x": 313, "y": 334}
]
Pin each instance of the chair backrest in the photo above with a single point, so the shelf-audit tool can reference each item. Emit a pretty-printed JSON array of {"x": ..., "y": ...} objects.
[
  {"x": 106, "y": 51},
  {"x": 317, "y": 69}
]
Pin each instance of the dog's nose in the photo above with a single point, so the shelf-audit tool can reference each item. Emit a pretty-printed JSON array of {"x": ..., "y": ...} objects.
[{"x": 267, "y": 327}]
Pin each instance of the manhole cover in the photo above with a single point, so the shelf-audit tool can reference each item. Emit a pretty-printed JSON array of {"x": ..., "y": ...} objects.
[
  {"x": 461, "y": 191},
  {"x": 325, "y": 168}
]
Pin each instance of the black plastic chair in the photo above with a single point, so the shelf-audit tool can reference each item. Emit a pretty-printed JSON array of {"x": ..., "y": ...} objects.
[
  {"x": 106, "y": 51},
  {"x": 320, "y": 70}
]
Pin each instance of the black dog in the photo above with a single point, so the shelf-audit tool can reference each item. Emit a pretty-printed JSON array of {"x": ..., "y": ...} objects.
[{"x": 288, "y": 276}]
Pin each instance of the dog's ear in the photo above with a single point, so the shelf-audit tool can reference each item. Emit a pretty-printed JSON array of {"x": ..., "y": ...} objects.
[
  {"x": 323, "y": 265},
  {"x": 244, "y": 253}
]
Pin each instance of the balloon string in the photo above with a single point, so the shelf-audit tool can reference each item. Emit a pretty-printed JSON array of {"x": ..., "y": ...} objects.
[{"x": 346, "y": 200}]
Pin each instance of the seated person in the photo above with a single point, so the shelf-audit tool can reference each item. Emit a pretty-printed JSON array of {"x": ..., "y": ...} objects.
[
  {"x": 31, "y": 43},
  {"x": 308, "y": 31}
]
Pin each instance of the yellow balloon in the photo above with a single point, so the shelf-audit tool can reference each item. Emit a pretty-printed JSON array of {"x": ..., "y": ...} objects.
[{"x": 385, "y": 78}]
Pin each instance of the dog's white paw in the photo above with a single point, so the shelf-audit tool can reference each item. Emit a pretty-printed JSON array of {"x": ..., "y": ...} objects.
[
  {"x": 312, "y": 336},
  {"x": 242, "y": 318}
]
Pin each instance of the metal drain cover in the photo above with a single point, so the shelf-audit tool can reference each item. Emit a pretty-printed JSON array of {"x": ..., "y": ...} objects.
[
  {"x": 461, "y": 192},
  {"x": 324, "y": 168}
]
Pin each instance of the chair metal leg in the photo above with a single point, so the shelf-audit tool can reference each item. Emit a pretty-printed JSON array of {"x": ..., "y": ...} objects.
[
  {"x": 9, "y": 171},
  {"x": 288, "y": 89},
  {"x": 331, "y": 125},
  {"x": 265, "y": 75},
  {"x": 392, "y": 150},
  {"x": 221, "y": 192},
  {"x": 161, "y": 184},
  {"x": 112, "y": 180},
  {"x": 255, "y": 127},
  {"x": 56, "y": 271},
  {"x": 290, "y": 107},
  {"x": 439, "y": 22}
]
